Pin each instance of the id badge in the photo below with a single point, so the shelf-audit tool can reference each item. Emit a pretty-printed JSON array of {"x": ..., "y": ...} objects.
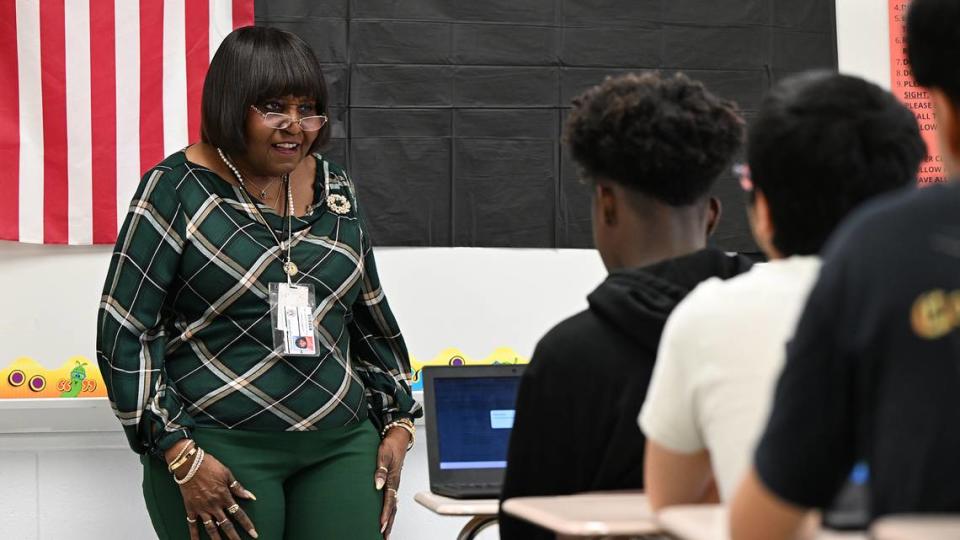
[{"x": 291, "y": 313}]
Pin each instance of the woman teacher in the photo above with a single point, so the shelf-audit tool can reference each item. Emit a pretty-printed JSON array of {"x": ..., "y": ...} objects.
[{"x": 246, "y": 344}]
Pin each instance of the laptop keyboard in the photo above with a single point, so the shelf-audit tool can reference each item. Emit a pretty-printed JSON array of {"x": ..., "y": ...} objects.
[{"x": 468, "y": 490}]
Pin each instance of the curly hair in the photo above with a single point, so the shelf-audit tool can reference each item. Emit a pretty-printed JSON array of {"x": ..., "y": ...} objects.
[{"x": 666, "y": 137}]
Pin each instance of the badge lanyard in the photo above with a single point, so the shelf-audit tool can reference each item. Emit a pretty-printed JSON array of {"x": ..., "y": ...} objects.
[{"x": 291, "y": 306}]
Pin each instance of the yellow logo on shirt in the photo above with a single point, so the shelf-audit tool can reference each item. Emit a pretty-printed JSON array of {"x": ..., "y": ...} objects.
[{"x": 935, "y": 314}]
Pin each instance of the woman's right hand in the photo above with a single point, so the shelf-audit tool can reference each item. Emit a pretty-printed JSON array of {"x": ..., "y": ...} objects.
[{"x": 209, "y": 498}]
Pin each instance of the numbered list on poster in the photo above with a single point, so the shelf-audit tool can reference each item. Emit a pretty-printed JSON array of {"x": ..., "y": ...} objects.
[{"x": 917, "y": 99}]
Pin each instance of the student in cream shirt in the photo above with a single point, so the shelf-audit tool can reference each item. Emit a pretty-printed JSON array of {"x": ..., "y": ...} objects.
[
  {"x": 821, "y": 145},
  {"x": 718, "y": 361}
]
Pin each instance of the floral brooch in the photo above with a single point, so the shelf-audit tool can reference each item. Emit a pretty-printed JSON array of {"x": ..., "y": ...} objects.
[{"x": 338, "y": 204}]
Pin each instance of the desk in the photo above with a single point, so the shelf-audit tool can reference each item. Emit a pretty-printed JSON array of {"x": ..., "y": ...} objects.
[
  {"x": 484, "y": 511},
  {"x": 695, "y": 522},
  {"x": 711, "y": 522},
  {"x": 916, "y": 527},
  {"x": 587, "y": 514}
]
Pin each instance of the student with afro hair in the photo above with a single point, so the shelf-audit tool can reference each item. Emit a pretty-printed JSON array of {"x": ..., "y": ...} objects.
[{"x": 650, "y": 147}]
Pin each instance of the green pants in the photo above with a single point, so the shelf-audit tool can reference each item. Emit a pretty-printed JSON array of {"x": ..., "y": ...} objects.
[{"x": 315, "y": 485}]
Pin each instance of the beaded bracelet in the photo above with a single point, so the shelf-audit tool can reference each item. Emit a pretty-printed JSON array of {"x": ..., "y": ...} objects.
[
  {"x": 400, "y": 422},
  {"x": 194, "y": 467},
  {"x": 405, "y": 424}
]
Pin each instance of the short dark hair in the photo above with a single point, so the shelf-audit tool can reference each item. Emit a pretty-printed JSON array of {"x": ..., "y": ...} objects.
[
  {"x": 821, "y": 145},
  {"x": 666, "y": 137},
  {"x": 253, "y": 64},
  {"x": 933, "y": 44}
]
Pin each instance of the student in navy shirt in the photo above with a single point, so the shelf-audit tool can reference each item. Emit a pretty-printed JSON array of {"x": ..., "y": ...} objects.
[{"x": 874, "y": 367}]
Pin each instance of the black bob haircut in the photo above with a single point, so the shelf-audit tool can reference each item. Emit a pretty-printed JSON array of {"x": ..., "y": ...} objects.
[
  {"x": 933, "y": 44},
  {"x": 821, "y": 145},
  {"x": 253, "y": 64},
  {"x": 665, "y": 137}
]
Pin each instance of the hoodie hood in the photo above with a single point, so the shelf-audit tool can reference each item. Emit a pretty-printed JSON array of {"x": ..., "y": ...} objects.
[{"x": 638, "y": 301}]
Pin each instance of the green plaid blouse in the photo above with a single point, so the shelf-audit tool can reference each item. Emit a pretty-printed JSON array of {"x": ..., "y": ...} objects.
[{"x": 184, "y": 332}]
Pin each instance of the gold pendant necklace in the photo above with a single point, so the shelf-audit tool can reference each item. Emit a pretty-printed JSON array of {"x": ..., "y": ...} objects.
[
  {"x": 263, "y": 191},
  {"x": 289, "y": 267}
]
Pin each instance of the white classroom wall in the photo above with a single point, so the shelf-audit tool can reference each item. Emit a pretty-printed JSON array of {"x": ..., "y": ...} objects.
[
  {"x": 473, "y": 299},
  {"x": 65, "y": 470}
]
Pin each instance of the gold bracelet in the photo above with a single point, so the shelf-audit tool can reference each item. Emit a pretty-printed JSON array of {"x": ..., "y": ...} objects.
[
  {"x": 190, "y": 444},
  {"x": 405, "y": 424},
  {"x": 184, "y": 452},
  {"x": 177, "y": 464},
  {"x": 193, "y": 469}
]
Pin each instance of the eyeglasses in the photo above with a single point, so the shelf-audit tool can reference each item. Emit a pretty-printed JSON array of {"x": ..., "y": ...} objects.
[{"x": 283, "y": 121}]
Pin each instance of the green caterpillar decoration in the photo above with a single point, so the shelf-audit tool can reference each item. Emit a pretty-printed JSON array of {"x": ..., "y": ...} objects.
[{"x": 77, "y": 375}]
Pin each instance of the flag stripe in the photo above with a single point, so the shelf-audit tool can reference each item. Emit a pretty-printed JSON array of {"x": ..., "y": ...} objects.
[
  {"x": 151, "y": 84},
  {"x": 242, "y": 13},
  {"x": 53, "y": 88},
  {"x": 103, "y": 109},
  {"x": 9, "y": 124},
  {"x": 31, "y": 122},
  {"x": 79, "y": 127},
  {"x": 128, "y": 104},
  {"x": 221, "y": 22},
  {"x": 94, "y": 93},
  {"x": 198, "y": 58},
  {"x": 174, "y": 77}
]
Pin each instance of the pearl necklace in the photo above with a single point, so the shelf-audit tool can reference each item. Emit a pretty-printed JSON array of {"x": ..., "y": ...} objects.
[
  {"x": 289, "y": 267},
  {"x": 236, "y": 172}
]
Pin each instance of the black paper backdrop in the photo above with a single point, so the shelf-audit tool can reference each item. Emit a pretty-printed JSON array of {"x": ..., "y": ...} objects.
[{"x": 448, "y": 113}]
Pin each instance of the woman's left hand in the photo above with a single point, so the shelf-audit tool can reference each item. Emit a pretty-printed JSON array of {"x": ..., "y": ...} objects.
[{"x": 390, "y": 456}]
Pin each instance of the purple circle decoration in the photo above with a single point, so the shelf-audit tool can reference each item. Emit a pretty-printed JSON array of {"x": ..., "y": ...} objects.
[
  {"x": 37, "y": 383},
  {"x": 457, "y": 361},
  {"x": 16, "y": 378}
]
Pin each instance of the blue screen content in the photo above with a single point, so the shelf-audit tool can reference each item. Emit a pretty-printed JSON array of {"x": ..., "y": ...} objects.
[{"x": 474, "y": 419}]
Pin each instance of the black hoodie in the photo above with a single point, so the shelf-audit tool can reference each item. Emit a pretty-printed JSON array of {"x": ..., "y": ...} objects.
[{"x": 576, "y": 422}]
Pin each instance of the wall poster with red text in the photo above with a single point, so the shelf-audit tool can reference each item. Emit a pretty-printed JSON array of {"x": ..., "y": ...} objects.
[{"x": 907, "y": 90}]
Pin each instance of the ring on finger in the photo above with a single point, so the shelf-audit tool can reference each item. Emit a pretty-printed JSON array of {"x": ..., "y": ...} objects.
[
  {"x": 190, "y": 520},
  {"x": 394, "y": 490},
  {"x": 233, "y": 484},
  {"x": 220, "y": 523},
  {"x": 382, "y": 468},
  {"x": 233, "y": 508},
  {"x": 208, "y": 523}
]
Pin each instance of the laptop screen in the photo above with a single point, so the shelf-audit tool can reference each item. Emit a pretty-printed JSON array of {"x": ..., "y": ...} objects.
[{"x": 474, "y": 418}]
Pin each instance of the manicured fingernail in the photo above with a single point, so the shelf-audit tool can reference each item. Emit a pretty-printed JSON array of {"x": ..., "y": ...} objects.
[
  {"x": 249, "y": 495},
  {"x": 253, "y": 533},
  {"x": 383, "y": 528},
  {"x": 379, "y": 483}
]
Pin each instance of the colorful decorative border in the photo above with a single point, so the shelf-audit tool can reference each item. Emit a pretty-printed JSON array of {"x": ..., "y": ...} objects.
[
  {"x": 79, "y": 377},
  {"x": 454, "y": 357}
]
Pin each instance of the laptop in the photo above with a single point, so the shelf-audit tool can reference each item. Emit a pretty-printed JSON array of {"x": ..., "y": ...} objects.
[{"x": 469, "y": 414}]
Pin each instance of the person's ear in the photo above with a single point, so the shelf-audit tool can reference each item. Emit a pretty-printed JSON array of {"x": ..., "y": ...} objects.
[
  {"x": 948, "y": 129},
  {"x": 606, "y": 204},
  {"x": 761, "y": 223},
  {"x": 714, "y": 211}
]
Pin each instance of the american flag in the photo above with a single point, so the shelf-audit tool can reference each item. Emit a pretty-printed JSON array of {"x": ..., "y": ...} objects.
[{"x": 92, "y": 94}]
